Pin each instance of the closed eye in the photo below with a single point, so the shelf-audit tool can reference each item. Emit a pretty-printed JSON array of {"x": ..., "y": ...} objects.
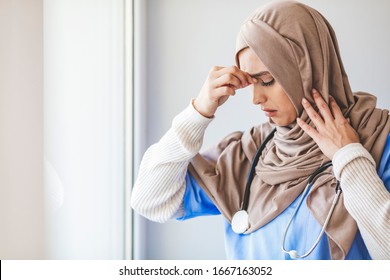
[
  {"x": 265, "y": 78},
  {"x": 266, "y": 84}
]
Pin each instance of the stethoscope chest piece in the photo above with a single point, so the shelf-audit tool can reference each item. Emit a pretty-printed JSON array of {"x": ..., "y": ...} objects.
[{"x": 240, "y": 222}]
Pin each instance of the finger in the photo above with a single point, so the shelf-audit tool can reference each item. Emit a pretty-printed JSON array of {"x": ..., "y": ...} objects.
[
  {"x": 228, "y": 79},
  {"x": 313, "y": 133},
  {"x": 313, "y": 115},
  {"x": 215, "y": 69},
  {"x": 244, "y": 77},
  {"x": 250, "y": 79},
  {"x": 224, "y": 91},
  {"x": 322, "y": 106},
  {"x": 336, "y": 111}
]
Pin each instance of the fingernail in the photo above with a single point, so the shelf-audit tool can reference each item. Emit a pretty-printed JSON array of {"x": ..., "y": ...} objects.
[
  {"x": 314, "y": 92},
  {"x": 304, "y": 101},
  {"x": 254, "y": 80}
]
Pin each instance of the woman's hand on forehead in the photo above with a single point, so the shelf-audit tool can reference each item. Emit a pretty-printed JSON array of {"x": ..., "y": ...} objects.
[
  {"x": 221, "y": 83},
  {"x": 332, "y": 131}
]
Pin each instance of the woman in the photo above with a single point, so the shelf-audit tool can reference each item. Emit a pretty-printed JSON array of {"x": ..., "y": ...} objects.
[{"x": 284, "y": 51}]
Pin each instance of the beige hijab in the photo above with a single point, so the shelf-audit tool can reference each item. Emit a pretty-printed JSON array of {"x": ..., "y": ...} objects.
[{"x": 299, "y": 48}]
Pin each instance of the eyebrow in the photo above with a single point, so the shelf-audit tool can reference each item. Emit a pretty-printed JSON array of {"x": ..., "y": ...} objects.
[{"x": 259, "y": 74}]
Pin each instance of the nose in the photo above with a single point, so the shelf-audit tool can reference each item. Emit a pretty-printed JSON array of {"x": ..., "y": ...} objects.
[{"x": 259, "y": 95}]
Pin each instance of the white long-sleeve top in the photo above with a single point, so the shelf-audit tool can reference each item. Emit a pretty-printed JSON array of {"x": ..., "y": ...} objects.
[{"x": 160, "y": 185}]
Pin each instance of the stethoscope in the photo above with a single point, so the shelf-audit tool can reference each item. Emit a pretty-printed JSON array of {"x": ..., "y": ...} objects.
[{"x": 240, "y": 220}]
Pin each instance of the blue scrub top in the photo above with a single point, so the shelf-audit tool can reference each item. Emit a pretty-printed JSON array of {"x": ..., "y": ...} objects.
[{"x": 266, "y": 242}]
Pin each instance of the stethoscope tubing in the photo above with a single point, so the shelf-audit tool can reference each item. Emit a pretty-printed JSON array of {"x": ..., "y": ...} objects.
[
  {"x": 253, "y": 168},
  {"x": 293, "y": 253},
  {"x": 241, "y": 228}
]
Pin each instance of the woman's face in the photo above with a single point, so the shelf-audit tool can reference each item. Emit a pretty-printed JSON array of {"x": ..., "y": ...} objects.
[{"x": 267, "y": 92}]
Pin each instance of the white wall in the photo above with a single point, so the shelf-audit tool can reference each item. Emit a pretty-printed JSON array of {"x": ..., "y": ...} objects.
[
  {"x": 186, "y": 38},
  {"x": 62, "y": 128},
  {"x": 21, "y": 129},
  {"x": 84, "y": 128}
]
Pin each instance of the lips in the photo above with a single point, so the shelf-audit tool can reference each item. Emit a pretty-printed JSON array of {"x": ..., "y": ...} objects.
[{"x": 269, "y": 112}]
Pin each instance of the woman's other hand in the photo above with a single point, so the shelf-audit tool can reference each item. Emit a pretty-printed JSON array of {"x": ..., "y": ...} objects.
[
  {"x": 221, "y": 83},
  {"x": 333, "y": 131}
]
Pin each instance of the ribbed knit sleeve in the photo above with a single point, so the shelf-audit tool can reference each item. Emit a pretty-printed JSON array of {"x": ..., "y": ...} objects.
[
  {"x": 159, "y": 189},
  {"x": 365, "y": 197}
]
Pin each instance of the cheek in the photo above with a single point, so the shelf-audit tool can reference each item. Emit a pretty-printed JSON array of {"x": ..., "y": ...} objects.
[
  {"x": 285, "y": 104},
  {"x": 293, "y": 113},
  {"x": 290, "y": 109}
]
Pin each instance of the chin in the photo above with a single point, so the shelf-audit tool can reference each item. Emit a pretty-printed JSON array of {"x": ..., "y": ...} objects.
[{"x": 283, "y": 122}]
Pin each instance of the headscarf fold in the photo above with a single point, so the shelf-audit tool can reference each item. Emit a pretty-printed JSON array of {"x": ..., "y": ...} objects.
[{"x": 299, "y": 48}]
